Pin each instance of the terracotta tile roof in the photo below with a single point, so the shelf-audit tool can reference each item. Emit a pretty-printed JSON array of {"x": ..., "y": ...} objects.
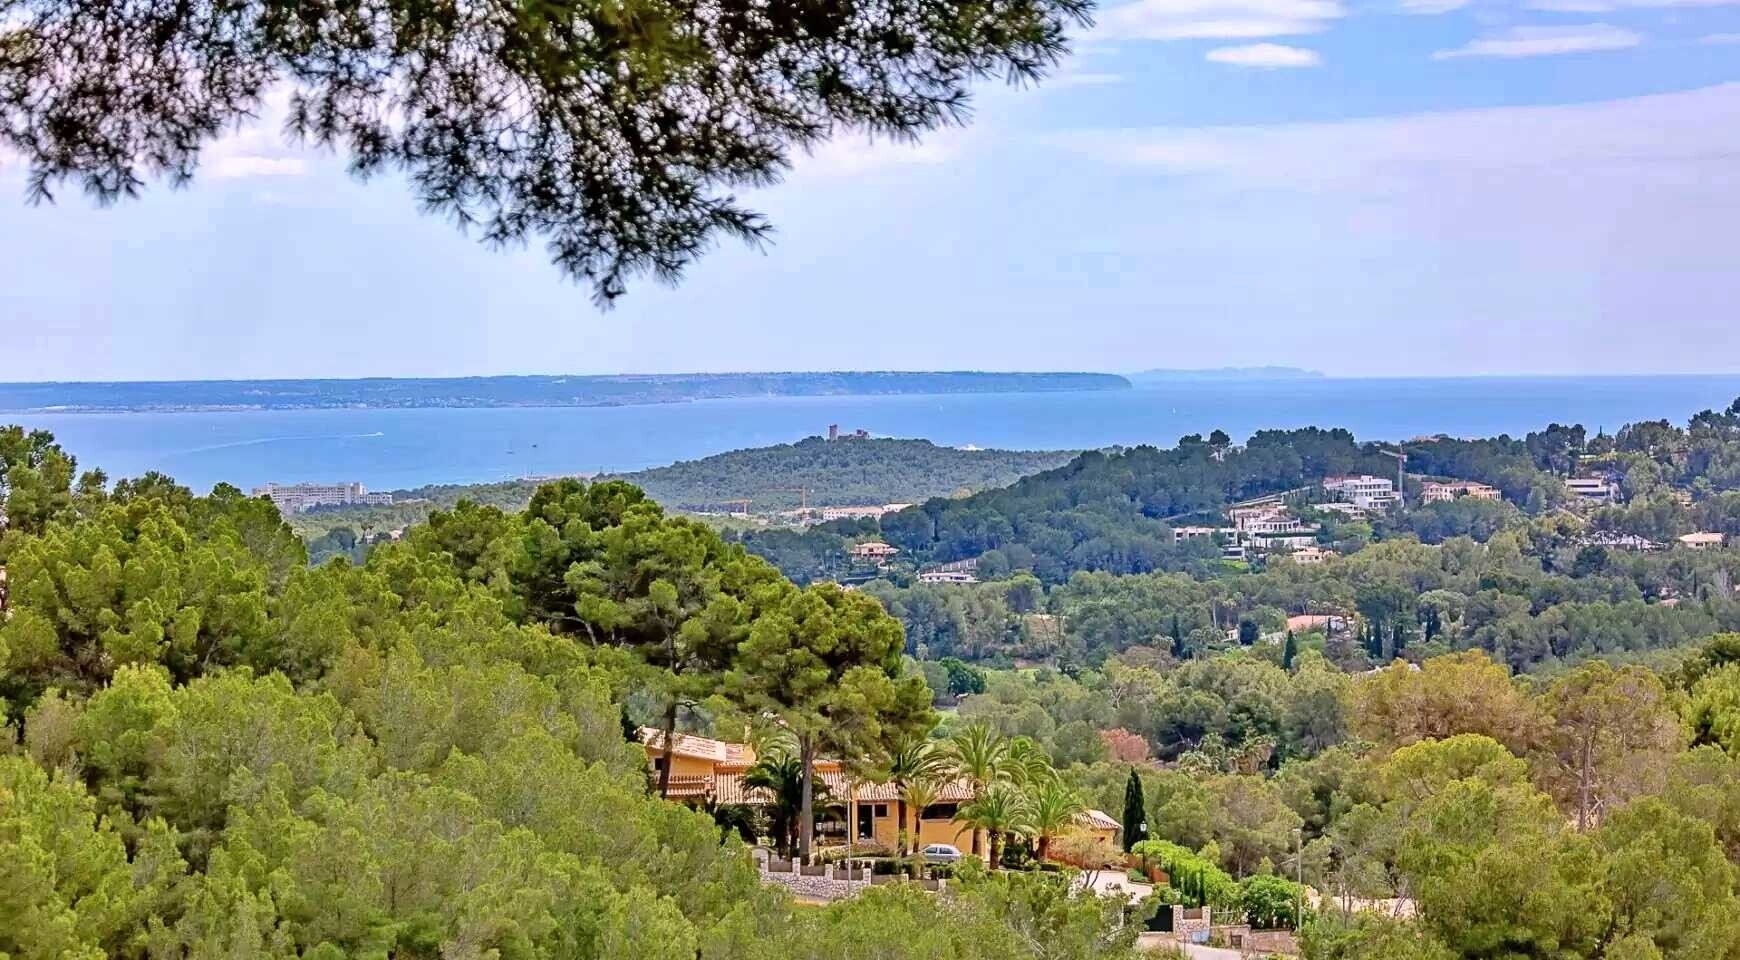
[
  {"x": 740, "y": 756},
  {"x": 686, "y": 745},
  {"x": 1097, "y": 820},
  {"x": 685, "y": 787}
]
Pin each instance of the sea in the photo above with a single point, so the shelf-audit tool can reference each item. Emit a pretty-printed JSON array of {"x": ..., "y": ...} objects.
[{"x": 389, "y": 449}]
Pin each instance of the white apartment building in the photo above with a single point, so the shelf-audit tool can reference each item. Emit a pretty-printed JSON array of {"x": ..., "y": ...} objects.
[
  {"x": 1364, "y": 490},
  {"x": 1272, "y": 523},
  {"x": 946, "y": 576},
  {"x": 851, "y": 513},
  {"x": 1595, "y": 489},
  {"x": 296, "y": 497},
  {"x": 1285, "y": 541}
]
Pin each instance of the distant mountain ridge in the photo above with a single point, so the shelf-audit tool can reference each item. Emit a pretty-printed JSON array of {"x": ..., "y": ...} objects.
[
  {"x": 1225, "y": 373},
  {"x": 523, "y": 391}
]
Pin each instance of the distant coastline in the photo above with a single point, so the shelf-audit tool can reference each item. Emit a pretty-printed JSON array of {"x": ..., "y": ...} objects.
[
  {"x": 217, "y": 396},
  {"x": 1225, "y": 373}
]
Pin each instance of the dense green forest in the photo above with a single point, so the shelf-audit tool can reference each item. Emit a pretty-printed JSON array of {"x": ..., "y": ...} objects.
[
  {"x": 218, "y": 750},
  {"x": 1534, "y": 603},
  {"x": 1452, "y": 811},
  {"x": 215, "y": 749},
  {"x": 845, "y": 472}
]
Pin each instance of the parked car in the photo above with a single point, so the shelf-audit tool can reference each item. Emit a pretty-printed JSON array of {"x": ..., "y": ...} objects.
[{"x": 941, "y": 853}]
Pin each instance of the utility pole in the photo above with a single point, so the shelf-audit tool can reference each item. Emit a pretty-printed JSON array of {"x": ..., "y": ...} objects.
[{"x": 1401, "y": 473}]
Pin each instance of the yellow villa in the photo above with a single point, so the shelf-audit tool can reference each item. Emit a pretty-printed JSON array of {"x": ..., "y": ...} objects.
[{"x": 706, "y": 770}]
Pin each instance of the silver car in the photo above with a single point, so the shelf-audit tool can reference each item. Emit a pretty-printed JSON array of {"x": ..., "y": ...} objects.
[{"x": 941, "y": 853}]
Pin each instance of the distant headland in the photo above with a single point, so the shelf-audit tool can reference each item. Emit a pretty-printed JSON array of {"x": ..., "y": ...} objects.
[
  {"x": 1225, "y": 373},
  {"x": 521, "y": 391}
]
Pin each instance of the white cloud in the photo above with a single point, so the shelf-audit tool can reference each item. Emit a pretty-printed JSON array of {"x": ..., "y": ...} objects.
[
  {"x": 257, "y": 149},
  {"x": 1265, "y": 55},
  {"x": 1433, "y": 6},
  {"x": 1453, "y": 236},
  {"x": 850, "y": 155},
  {"x": 1217, "y": 19},
  {"x": 236, "y": 166},
  {"x": 1606, "y": 6},
  {"x": 1545, "y": 42},
  {"x": 1684, "y": 138},
  {"x": 1715, "y": 39}
]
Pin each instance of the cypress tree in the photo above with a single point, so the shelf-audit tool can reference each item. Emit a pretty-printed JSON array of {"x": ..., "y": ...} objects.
[
  {"x": 1135, "y": 810},
  {"x": 1290, "y": 652}
]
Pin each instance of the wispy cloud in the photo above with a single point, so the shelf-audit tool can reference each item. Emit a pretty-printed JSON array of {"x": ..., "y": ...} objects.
[
  {"x": 1072, "y": 78},
  {"x": 857, "y": 155},
  {"x": 1217, "y": 19},
  {"x": 244, "y": 165},
  {"x": 1545, "y": 42},
  {"x": 1716, "y": 39},
  {"x": 1684, "y": 139},
  {"x": 1433, "y": 6},
  {"x": 1265, "y": 55},
  {"x": 258, "y": 149},
  {"x": 1606, "y": 6}
]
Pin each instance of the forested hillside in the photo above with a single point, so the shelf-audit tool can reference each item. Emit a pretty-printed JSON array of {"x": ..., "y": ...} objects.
[
  {"x": 1110, "y": 511},
  {"x": 217, "y": 750},
  {"x": 846, "y": 472},
  {"x": 1107, "y": 511},
  {"x": 1398, "y": 598},
  {"x": 1445, "y": 812}
]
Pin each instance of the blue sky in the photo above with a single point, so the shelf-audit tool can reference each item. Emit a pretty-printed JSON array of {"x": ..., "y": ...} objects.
[{"x": 1365, "y": 188}]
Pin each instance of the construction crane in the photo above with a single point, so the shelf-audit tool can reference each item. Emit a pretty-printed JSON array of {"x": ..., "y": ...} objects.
[
  {"x": 742, "y": 505},
  {"x": 803, "y": 495},
  {"x": 1401, "y": 465}
]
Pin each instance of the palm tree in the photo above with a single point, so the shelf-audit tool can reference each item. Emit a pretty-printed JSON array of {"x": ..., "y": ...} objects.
[
  {"x": 919, "y": 794},
  {"x": 979, "y": 755},
  {"x": 1053, "y": 808},
  {"x": 912, "y": 761},
  {"x": 1001, "y": 809},
  {"x": 781, "y": 773},
  {"x": 1026, "y": 764}
]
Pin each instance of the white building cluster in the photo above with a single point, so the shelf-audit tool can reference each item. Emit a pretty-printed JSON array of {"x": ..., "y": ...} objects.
[
  {"x": 292, "y": 498},
  {"x": 1363, "y": 491}
]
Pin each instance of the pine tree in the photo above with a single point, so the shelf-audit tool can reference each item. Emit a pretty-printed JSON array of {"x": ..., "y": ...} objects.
[{"x": 1135, "y": 811}]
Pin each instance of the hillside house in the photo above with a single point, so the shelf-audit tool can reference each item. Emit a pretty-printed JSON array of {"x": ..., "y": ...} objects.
[
  {"x": 1702, "y": 541},
  {"x": 873, "y": 550},
  {"x": 705, "y": 770}
]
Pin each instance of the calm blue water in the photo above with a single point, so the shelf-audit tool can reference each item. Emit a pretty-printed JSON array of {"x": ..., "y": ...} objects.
[{"x": 388, "y": 449}]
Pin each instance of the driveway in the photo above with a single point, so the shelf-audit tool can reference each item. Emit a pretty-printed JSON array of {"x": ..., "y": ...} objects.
[{"x": 1164, "y": 941}]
